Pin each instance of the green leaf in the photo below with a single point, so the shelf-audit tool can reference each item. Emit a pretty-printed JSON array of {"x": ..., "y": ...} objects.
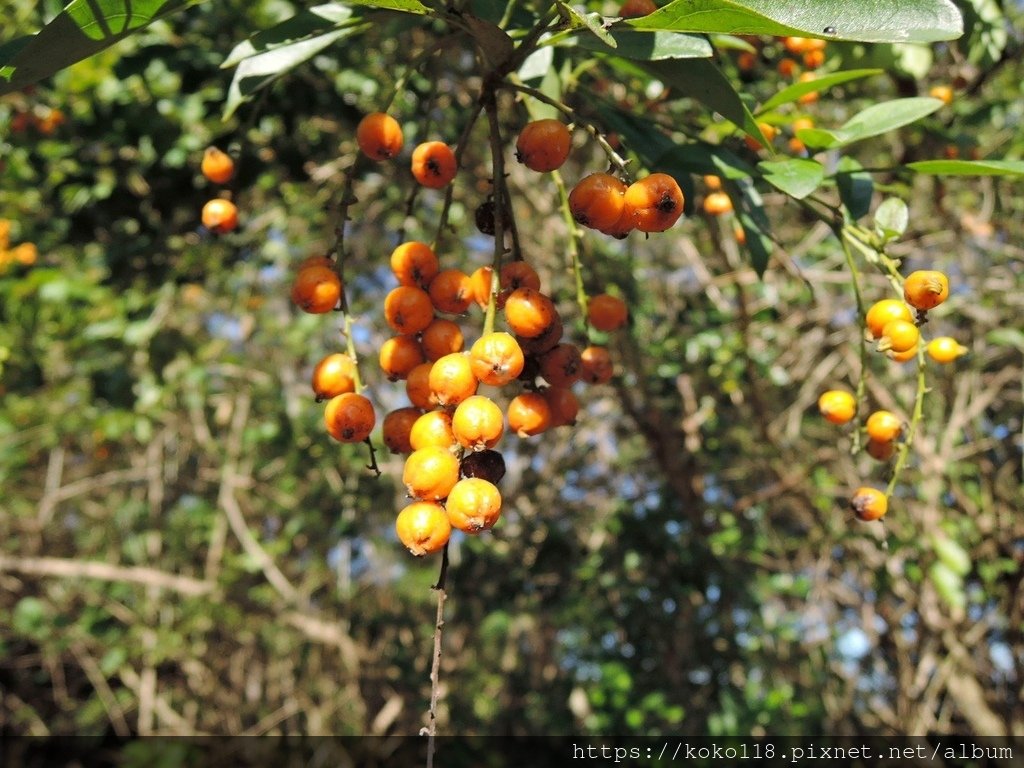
[
  {"x": 403, "y": 6},
  {"x": 796, "y": 177},
  {"x": 873, "y": 121},
  {"x": 948, "y": 584},
  {"x": 645, "y": 46},
  {"x": 952, "y": 555},
  {"x": 752, "y": 217},
  {"x": 308, "y": 23},
  {"x": 855, "y": 187},
  {"x": 29, "y": 615},
  {"x": 261, "y": 70},
  {"x": 702, "y": 80},
  {"x": 594, "y": 22},
  {"x": 969, "y": 167},
  {"x": 82, "y": 29},
  {"x": 894, "y": 21},
  {"x": 793, "y": 92},
  {"x": 891, "y": 218}
]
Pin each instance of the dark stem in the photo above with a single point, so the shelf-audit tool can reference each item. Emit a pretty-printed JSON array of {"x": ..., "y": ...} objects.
[{"x": 435, "y": 667}]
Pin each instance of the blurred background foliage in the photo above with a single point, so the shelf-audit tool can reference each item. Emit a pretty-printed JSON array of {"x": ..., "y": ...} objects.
[{"x": 184, "y": 550}]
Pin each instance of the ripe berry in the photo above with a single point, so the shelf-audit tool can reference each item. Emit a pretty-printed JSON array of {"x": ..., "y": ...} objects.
[
  {"x": 712, "y": 182},
  {"x": 881, "y": 312},
  {"x": 767, "y": 130},
  {"x": 433, "y": 428},
  {"x": 496, "y": 359},
  {"x": 869, "y": 504},
  {"x": 529, "y": 414},
  {"x": 430, "y": 473},
  {"x": 529, "y": 312},
  {"x": 837, "y": 406},
  {"x": 349, "y": 418},
  {"x": 634, "y": 9},
  {"x": 898, "y": 336},
  {"x": 486, "y": 464},
  {"x": 880, "y": 451},
  {"x": 564, "y": 405},
  {"x": 518, "y": 274},
  {"x": 452, "y": 380},
  {"x": 787, "y": 67},
  {"x": 812, "y": 96},
  {"x": 884, "y": 426},
  {"x": 217, "y": 166},
  {"x": 945, "y": 349},
  {"x": 440, "y": 338},
  {"x": 597, "y": 200},
  {"x": 903, "y": 357},
  {"x": 941, "y": 92},
  {"x": 408, "y": 310},
  {"x": 562, "y": 365},
  {"x": 434, "y": 164},
  {"x": 417, "y": 386},
  {"x": 316, "y": 290},
  {"x": 717, "y": 203},
  {"x": 538, "y": 345},
  {"x": 656, "y": 202},
  {"x": 480, "y": 285},
  {"x": 316, "y": 261},
  {"x": 814, "y": 59},
  {"x": 925, "y": 289},
  {"x": 399, "y": 355},
  {"x": 333, "y": 376},
  {"x": 606, "y": 312},
  {"x": 397, "y": 428},
  {"x": 478, "y": 423},
  {"x": 379, "y": 136},
  {"x": 543, "y": 145},
  {"x": 414, "y": 263},
  {"x": 423, "y": 527},
  {"x": 597, "y": 366},
  {"x": 451, "y": 291},
  {"x": 220, "y": 216},
  {"x": 473, "y": 505}
]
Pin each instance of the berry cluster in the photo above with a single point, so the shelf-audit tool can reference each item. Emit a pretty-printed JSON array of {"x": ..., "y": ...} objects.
[
  {"x": 24, "y": 253},
  {"x": 219, "y": 215}
]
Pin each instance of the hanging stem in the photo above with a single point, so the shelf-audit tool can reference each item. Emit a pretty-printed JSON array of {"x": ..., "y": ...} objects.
[
  {"x": 490, "y": 105},
  {"x": 903, "y": 452},
  {"x": 861, "y": 313},
  {"x": 574, "y": 241},
  {"x": 435, "y": 667}
]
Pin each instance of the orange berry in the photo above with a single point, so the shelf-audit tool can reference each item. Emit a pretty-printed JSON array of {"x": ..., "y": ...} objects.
[
  {"x": 433, "y": 428},
  {"x": 220, "y": 216},
  {"x": 746, "y": 62},
  {"x": 480, "y": 285},
  {"x": 562, "y": 365},
  {"x": 941, "y": 92},
  {"x": 399, "y": 355},
  {"x": 905, "y": 356},
  {"x": 217, "y": 166},
  {"x": 543, "y": 145},
  {"x": 451, "y": 291},
  {"x": 478, "y": 423},
  {"x": 423, "y": 527},
  {"x": 945, "y": 349},
  {"x": 795, "y": 44},
  {"x": 538, "y": 345},
  {"x": 634, "y": 9},
  {"x": 316, "y": 261},
  {"x": 869, "y": 504},
  {"x": 397, "y": 428},
  {"x": 379, "y": 136},
  {"x": 880, "y": 450},
  {"x": 625, "y": 224},
  {"x": 440, "y": 338},
  {"x": 884, "y": 426},
  {"x": 496, "y": 358},
  {"x": 656, "y": 202},
  {"x": 565, "y": 407},
  {"x": 529, "y": 312},
  {"x": 597, "y": 366},
  {"x": 812, "y": 96},
  {"x": 606, "y": 312},
  {"x": 898, "y": 336},
  {"x": 349, "y": 418},
  {"x": 408, "y": 310},
  {"x": 414, "y": 264},
  {"x": 316, "y": 290},
  {"x": 814, "y": 59},
  {"x": 434, "y": 164},
  {"x": 882, "y": 312},
  {"x": 529, "y": 414},
  {"x": 474, "y": 505},
  {"x": 333, "y": 376},
  {"x": 430, "y": 473},
  {"x": 518, "y": 274},
  {"x": 786, "y": 67},
  {"x": 597, "y": 200},
  {"x": 712, "y": 182},
  {"x": 767, "y": 130},
  {"x": 417, "y": 386},
  {"x": 452, "y": 380},
  {"x": 25, "y": 254},
  {"x": 837, "y": 406},
  {"x": 925, "y": 289},
  {"x": 717, "y": 203}
]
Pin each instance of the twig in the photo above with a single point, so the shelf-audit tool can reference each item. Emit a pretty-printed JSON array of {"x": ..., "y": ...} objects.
[
  {"x": 435, "y": 667},
  {"x": 86, "y": 569}
]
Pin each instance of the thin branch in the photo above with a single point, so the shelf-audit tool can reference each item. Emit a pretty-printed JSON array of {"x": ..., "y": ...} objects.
[
  {"x": 435, "y": 667},
  {"x": 85, "y": 569}
]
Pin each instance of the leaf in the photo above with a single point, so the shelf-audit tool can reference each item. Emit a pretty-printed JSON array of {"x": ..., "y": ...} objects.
[
  {"x": 796, "y": 177},
  {"x": 403, "y": 6},
  {"x": 793, "y": 92},
  {"x": 261, "y": 70},
  {"x": 873, "y": 121},
  {"x": 894, "y": 21},
  {"x": 645, "y": 46},
  {"x": 751, "y": 214},
  {"x": 704, "y": 81},
  {"x": 952, "y": 555},
  {"x": 82, "y": 29},
  {"x": 969, "y": 167},
  {"x": 594, "y": 22},
  {"x": 855, "y": 187},
  {"x": 891, "y": 218},
  {"x": 308, "y": 23},
  {"x": 493, "y": 41}
]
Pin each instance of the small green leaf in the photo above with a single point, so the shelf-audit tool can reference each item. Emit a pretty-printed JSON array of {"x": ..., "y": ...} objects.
[
  {"x": 948, "y": 584},
  {"x": 308, "y": 23},
  {"x": 594, "y": 22},
  {"x": 752, "y": 217},
  {"x": 952, "y": 555},
  {"x": 645, "y": 46},
  {"x": 873, "y": 121},
  {"x": 855, "y": 187},
  {"x": 1006, "y": 337},
  {"x": 895, "y": 21},
  {"x": 891, "y": 218},
  {"x": 796, "y": 177},
  {"x": 969, "y": 167},
  {"x": 793, "y": 92}
]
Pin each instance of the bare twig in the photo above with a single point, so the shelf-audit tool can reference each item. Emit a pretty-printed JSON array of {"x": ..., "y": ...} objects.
[
  {"x": 435, "y": 667},
  {"x": 85, "y": 569}
]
